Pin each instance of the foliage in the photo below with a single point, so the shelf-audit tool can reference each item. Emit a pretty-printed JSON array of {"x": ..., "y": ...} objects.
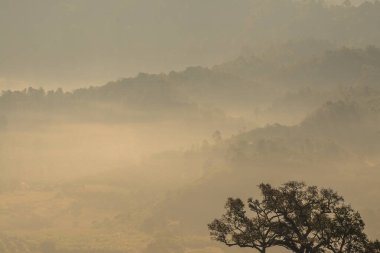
[{"x": 295, "y": 216}]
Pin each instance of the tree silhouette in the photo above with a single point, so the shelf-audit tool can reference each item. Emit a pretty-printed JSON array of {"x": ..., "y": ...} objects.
[
  {"x": 300, "y": 218},
  {"x": 373, "y": 247},
  {"x": 235, "y": 228}
]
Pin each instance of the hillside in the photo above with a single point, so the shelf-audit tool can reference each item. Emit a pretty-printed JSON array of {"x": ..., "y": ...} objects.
[
  {"x": 155, "y": 156},
  {"x": 260, "y": 88},
  {"x": 338, "y": 144}
]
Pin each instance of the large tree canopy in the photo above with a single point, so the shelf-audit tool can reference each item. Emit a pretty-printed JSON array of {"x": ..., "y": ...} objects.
[{"x": 300, "y": 218}]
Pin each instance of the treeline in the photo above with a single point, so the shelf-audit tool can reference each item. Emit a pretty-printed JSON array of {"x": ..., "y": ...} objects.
[
  {"x": 308, "y": 63},
  {"x": 265, "y": 79}
]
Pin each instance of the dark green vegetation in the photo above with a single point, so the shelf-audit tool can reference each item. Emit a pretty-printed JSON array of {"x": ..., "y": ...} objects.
[{"x": 300, "y": 218}]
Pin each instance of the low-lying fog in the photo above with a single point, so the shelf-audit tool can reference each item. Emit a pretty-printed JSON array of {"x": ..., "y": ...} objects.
[
  {"x": 142, "y": 164},
  {"x": 63, "y": 151}
]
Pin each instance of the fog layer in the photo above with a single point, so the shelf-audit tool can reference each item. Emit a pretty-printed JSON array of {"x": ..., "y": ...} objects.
[{"x": 95, "y": 157}]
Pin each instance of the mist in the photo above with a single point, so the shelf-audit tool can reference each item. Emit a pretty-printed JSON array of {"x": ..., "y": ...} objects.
[{"x": 126, "y": 125}]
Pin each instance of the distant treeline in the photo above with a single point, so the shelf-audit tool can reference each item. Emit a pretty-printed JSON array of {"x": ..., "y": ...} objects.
[{"x": 248, "y": 81}]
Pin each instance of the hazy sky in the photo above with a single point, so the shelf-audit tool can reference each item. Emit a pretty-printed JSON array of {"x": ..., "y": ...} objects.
[
  {"x": 71, "y": 43},
  {"x": 82, "y": 42}
]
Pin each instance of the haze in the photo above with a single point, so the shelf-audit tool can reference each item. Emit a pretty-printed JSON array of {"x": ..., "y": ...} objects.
[
  {"x": 76, "y": 43},
  {"x": 125, "y": 125}
]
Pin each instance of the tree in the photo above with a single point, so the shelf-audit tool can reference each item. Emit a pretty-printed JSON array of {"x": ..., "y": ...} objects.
[
  {"x": 235, "y": 228},
  {"x": 346, "y": 231},
  {"x": 300, "y": 218},
  {"x": 373, "y": 247}
]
